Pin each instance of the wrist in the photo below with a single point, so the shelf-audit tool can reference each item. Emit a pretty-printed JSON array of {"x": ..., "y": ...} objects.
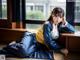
[{"x": 64, "y": 23}]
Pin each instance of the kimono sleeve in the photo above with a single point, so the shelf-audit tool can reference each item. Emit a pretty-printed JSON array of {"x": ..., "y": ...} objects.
[
  {"x": 48, "y": 39},
  {"x": 67, "y": 28}
]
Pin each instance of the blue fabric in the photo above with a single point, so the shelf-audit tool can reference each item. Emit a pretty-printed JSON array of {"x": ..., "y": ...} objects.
[
  {"x": 47, "y": 28},
  {"x": 47, "y": 34},
  {"x": 68, "y": 28},
  {"x": 28, "y": 46}
]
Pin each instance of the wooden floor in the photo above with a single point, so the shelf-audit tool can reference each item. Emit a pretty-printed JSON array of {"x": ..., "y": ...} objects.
[
  {"x": 74, "y": 56},
  {"x": 71, "y": 56}
]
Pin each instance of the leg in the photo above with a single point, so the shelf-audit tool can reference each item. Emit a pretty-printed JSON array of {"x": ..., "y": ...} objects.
[
  {"x": 20, "y": 49},
  {"x": 58, "y": 56},
  {"x": 61, "y": 55}
]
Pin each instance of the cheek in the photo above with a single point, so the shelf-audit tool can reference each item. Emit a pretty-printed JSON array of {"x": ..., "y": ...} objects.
[
  {"x": 60, "y": 20},
  {"x": 55, "y": 19}
]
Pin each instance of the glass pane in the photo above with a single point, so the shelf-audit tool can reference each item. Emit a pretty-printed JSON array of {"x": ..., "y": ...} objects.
[
  {"x": 77, "y": 14},
  {"x": 77, "y": 28},
  {"x": 77, "y": 11},
  {"x": 0, "y": 9},
  {"x": 41, "y": 9},
  {"x": 3, "y": 8},
  {"x": 33, "y": 26}
]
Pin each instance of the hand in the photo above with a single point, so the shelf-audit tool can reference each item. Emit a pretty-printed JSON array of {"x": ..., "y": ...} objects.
[
  {"x": 57, "y": 21},
  {"x": 64, "y": 21}
]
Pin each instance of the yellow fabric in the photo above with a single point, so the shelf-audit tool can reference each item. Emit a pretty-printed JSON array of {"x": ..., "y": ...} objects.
[{"x": 39, "y": 36}]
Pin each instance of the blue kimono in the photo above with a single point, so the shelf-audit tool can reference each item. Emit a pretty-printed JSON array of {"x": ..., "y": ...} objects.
[{"x": 38, "y": 45}]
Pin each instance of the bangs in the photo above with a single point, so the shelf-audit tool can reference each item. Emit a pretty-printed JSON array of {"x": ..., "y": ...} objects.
[{"x": 58, "y": 12}]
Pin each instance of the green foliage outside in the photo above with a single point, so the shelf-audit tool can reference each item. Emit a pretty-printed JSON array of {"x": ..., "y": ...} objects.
[
  {"x": 4, "y": 12},
  {"x": 35, "y": 15}
]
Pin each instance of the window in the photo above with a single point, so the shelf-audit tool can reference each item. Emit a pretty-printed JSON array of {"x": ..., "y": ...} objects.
[
  {"x": 77, "y": 11},
  {"x": 3, "y": 9},
  {"x": 34, "y": 11},
  {"x": 77, "y": 14},
  {"x": 39, "y": 10}
]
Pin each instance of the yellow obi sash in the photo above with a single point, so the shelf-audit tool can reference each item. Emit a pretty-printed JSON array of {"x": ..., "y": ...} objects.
[{"x": 39, "y": 36}]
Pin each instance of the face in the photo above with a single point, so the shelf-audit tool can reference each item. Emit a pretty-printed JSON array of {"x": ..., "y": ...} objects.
[{"x": 57, "y": 19}]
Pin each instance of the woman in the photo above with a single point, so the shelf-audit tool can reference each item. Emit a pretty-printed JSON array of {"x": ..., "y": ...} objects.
[{"x": 41, "y": 44}]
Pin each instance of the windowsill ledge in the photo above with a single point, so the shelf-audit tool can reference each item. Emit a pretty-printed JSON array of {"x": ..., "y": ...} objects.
[{"x": 17, "y": 29}]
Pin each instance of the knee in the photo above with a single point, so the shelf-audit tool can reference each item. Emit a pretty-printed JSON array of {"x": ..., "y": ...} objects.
[
  {"x": 64, "y": 51},
  {"x": 58, "y": 56}
]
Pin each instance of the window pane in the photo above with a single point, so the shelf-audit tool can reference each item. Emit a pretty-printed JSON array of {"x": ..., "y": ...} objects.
[
  {"x": 77, "y": 11},
  {"x": 3, "y": 9},
  {"x": 77, "y": 14},
  {"x": 77, "y": 28},
  {"x": 33, "y": 26},
  {"x": 41, "y": 9}
]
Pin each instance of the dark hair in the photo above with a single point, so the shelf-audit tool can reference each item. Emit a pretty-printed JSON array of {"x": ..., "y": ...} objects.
[{"x": 57, "y": 11}]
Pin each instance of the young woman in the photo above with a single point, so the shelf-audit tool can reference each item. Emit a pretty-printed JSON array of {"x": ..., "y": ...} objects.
[{"x": 41, "y": 44}]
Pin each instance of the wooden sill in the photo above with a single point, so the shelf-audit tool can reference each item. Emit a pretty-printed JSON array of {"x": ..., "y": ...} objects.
[{"x": 19, "y": 29}]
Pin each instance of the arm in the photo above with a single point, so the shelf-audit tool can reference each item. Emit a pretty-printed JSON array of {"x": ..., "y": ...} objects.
[
  {"x": 48, "y": 39},
  {"x": 67, "y": 28}
]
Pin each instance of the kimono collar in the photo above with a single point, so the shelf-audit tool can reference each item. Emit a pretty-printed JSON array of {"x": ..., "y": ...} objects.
[{"x": 51, "y": 24}]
